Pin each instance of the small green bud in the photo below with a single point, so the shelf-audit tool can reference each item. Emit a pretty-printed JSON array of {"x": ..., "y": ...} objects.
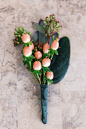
[
  {"x": 16, "y": 36},
  {"x": 17, "y": 42},
  {"x": 15, "y": 32},
  {"x": 52, "y": 20},
  {"x": 44, "y": 27},
  {"x": 45, "y": 34},
  {"x": 13, "y": 39},
  {"x": 44, "y": 22},
  {"x": 23, "y": 28},
  {"x": 53, "y": 23},
  {"x": 53, "y": 16},
  {"x": 19, "y": 35},
  {"x": 56, "y": 23},
  {"x": 53, "y": 37},
  {"x": 59, "y": 27},
  {"x": 46, "y": 19},
  {"x": 24, "y": 31},
  {"x": 20, "y": 28},
  {"x": 29, "y": 33},
  {"x": 16, "y": 29},
  {"x": 50, "y": 16}
]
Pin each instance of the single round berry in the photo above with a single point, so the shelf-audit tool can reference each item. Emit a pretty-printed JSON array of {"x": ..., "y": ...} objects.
[
  {"x": 27, "y": 51},
  {"x": 49, "y": 75},
  {"x": 38, "y": 54},
  {"x": 46, "y": 62},
  {"x": 26, "y": 38},
  {"x": 37, "y": 65}
]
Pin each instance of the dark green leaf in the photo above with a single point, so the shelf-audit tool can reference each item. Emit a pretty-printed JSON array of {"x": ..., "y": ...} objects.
[
  {"x": 38, "y": 27},
  {"x": 35, "y": 37},
  {"x": 43, "y": 38},
  {"x": 60, "y": 63},
  {"x": 40, "y": 37}
]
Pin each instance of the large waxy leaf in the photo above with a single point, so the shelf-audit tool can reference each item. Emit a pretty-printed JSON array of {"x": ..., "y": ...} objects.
[{"x": 60, "y": 62}]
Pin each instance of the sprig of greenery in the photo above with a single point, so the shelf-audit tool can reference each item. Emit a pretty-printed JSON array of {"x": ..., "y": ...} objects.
[
  {"x": 51, "y": 25},
  {"x": 18, "y": 35}
]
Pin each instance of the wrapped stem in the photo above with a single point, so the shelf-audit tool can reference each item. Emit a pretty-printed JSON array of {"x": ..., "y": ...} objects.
[{"x": 44, "y": 95}]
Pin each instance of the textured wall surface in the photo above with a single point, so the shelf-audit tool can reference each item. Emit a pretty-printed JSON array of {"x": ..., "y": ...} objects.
[{"x": 20, "y": 105}]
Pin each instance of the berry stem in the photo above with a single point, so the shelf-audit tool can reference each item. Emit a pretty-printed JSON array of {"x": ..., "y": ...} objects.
[
  {"x": 35, "y": 78},
  {"x": 38, "y": 78}
]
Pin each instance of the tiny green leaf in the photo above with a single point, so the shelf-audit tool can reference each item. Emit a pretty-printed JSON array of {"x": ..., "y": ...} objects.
[
  {"x": 35, "y": 71},
  {"x": 56, "y": 52},
  {"x": 24, "y": 62},
  {"x": 29, "y": 33},
  {"x": 39, "y": 72},
  {"x": 51, "y": 51}
]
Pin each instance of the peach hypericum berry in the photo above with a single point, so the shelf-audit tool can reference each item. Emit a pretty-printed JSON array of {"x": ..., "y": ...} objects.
[
  {"x": 31, "y": 46},
  {"x": 45, "y": 48},
  {"x": 38, "y": 54},
  {"x": 37, "y": 65},
  {"x": 27, "y": 51},
  {"x": 46, "y": 62},
  {"x": 55, "y": 45},
  {"x": 49, "y": 75},
  {"x": 26, "y": 38}
]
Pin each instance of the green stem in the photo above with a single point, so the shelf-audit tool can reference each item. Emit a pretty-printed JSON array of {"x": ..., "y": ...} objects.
[
  {"x": 50, "y": 34},
  {"x": 30, "y": 64},
  {"x": 51, "y": 57},
  {"x": 35, "y": 78},
  {"x": 32, "y": 73},
  {"x": 38, "y": 78}
]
